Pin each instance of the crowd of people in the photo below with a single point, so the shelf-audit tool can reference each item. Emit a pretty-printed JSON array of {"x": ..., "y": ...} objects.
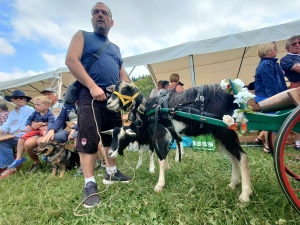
[{"x": 51, "y": 119}]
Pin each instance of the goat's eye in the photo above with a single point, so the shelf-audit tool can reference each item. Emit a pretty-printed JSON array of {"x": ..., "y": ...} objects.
[{"x": 122, "y": 138}]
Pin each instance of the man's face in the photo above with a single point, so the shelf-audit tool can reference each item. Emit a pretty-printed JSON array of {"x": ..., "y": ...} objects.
[
  {"x": 53, "y": 97},
  {"x": 295, "y": 47},
  {"x": 101, "y": 19}
]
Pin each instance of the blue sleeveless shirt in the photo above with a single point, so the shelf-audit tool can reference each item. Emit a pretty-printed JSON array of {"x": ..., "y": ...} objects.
[{"x": 106, "y": 70}]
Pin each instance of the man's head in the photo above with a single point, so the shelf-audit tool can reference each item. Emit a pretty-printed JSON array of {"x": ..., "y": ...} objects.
[
  {"x": 101, "y": 19},
  {"x": 41, "y": 103},
  {"x": 51, "y": 94},
  {"x": 293, "y": 44},
  {"x": 165, "y": 85},
  {"x": 159, "y": 84}
]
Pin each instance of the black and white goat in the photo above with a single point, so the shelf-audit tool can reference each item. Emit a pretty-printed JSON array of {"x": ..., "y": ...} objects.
[{"x": 216, "y": 103}]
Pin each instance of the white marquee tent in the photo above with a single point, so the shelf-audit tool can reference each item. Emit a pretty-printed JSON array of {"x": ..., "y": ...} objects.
[
  {"x": 212, "y": 60},
  {"x": 197, "y": 62}
]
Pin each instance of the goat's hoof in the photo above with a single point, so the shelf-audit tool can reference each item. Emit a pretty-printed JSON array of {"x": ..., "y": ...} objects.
[
  {"x": 158, "y": 188},
  {"x": 233, "y": 185},
  {"x": 176, "y": 159},
  {"x": 244, "y": 198},
  {"x": 151, "y": 171}
]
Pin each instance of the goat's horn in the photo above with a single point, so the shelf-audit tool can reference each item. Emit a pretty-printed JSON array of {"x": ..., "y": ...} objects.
[{"x": 107, "y": 132}]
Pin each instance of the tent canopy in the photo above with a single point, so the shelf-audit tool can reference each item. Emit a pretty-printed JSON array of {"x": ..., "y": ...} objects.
[
  {"x": 197, "y": 62},
  {"x": 59, "y": 79},
  {"x": 215, "y": 59}
]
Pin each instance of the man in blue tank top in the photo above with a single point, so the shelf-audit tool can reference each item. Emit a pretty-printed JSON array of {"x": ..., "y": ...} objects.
[{"x": 106, "y": 71}]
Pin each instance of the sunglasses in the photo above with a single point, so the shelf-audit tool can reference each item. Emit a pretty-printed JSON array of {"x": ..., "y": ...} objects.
[
  {"x": 18, "y": 98},
  {"x": 103, "y": 12},
  {"x": 295, "y": 43}
]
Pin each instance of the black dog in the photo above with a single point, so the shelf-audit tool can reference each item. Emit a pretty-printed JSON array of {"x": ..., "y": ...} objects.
[{"x": 58, "y": 157}]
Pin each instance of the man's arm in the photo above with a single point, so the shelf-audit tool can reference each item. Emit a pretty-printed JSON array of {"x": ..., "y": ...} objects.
[
  {"x": 123, "y": 75},
  {"x": 73, "y": 57}
]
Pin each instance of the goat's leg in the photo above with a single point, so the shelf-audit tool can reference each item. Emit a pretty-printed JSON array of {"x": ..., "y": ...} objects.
[
  {"x": 140, "y": 162},
  {"x": 151, "y": 166},
  {"x": 177, "y": 152},
  {"x": 161, "y": 180},
  {"x": 167, "y": 165},
  {"x": 246, "y": 184},
  {"x": 235, "y": 173}
]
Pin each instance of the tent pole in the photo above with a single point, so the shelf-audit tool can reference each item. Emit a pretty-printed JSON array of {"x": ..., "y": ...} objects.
[
  {"x": 192, "y": 71},
  {"x": 59, "y": 85},
  {"x": 130, "y": 71},
  {"x": 243, "y": 56},
  {"x": 152, "y": 74}
]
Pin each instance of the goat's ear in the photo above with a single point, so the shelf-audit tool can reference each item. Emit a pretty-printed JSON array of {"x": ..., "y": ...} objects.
[
  {"x": 130, "y": 133},
  {"x": 111, "y": 88},
  {"x": 107, "y": 132}
]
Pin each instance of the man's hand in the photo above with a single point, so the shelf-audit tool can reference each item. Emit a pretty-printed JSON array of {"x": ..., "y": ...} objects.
[
  {"x": 97, "y": 93},
  {"x": 48, "y": 136}
]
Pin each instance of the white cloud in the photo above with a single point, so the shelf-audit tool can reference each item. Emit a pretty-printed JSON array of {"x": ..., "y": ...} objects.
[
  {"x": 16, "y": 74},
  {"x": 54, "y": 60},
  {"x": 6, "y": 48}
]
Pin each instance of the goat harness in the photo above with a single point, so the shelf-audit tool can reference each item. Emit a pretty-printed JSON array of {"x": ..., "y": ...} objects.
[{"x": 126, "y": 99}]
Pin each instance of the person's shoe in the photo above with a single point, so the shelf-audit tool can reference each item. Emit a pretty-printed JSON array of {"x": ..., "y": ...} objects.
[
  {"x": 90, "y": 193},
  {"x": 34, "y": 167},
  {"x": 297, "y": 147},
  {"x": 116, "y": 177},
  {"x": 44, "y": 158},
  {"x": 16, "y": 163},
  {"x": 8, "y": 173}
]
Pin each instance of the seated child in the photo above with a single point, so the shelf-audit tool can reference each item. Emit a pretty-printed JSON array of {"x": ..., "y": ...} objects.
[{"x": 42, "y": 115}]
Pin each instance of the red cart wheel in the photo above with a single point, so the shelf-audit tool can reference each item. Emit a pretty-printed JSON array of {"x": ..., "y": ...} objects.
[{"x": 287, "y": 159}]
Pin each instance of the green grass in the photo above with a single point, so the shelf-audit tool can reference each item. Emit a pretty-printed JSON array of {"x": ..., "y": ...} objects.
[{"x": 196, "y": 192}]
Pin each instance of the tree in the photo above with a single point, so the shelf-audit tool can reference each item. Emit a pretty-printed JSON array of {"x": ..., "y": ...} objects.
[{"x": 144, "y": 84}]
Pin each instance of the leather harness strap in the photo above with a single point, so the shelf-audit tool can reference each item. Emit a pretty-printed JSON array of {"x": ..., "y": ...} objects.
[{"x": 200, "y": 101}]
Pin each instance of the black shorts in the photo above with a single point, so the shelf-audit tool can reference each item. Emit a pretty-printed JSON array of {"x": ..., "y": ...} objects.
[{"x": 88, "y": 138}]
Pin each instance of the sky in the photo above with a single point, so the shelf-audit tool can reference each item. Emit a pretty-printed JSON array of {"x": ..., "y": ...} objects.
[{"x": 35, "y": 34}]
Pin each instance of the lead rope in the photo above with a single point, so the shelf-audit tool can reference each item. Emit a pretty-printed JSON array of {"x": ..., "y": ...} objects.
[{"x": 106, "y": 161}]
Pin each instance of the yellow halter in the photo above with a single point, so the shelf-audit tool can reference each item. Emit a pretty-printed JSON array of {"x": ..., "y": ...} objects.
[{"x": 126, "y": 99}]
